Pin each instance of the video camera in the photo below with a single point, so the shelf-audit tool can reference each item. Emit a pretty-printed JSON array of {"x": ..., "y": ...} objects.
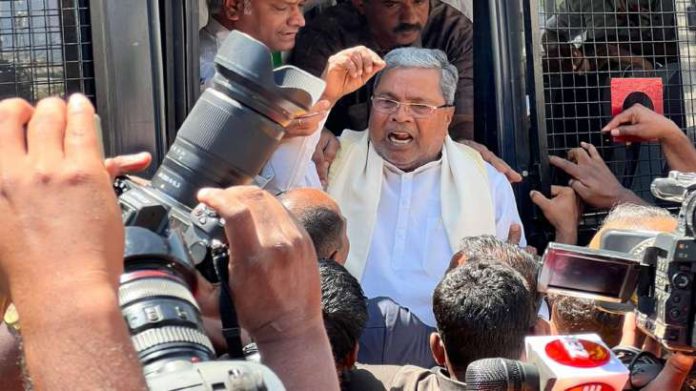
[
  {"x": 653, "y": 271},
  {"x": 226, "y": 139}
]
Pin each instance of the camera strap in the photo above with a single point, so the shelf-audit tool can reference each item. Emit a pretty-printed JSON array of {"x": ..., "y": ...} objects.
[{"x": 231, "y": 330}]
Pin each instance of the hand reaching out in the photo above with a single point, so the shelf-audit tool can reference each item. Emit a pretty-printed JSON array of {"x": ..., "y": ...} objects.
[{"x": 592, "y": 179}]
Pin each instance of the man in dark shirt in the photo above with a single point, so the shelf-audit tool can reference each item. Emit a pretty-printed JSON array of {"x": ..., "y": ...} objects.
[{"x": 383, "y": 25}]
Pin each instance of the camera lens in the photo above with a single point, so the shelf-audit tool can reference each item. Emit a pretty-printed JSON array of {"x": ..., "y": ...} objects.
[
  {"x": 162, "y": 315},
  {"x": 237, "y": 123},
  {"x": 163, "y": 318}
]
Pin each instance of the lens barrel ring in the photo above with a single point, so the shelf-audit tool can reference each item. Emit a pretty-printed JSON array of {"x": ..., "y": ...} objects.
[
  {"x": 170, "y": 334},
  {"x": 151, "y": 288}
]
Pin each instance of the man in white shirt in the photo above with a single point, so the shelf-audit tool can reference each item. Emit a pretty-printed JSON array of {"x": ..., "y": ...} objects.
[
  {"x": 275, "y": 23},
  {"x": 409, "y": 193}
]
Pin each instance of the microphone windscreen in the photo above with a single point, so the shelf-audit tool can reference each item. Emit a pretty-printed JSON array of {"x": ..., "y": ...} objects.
[{"x": 501, "y": 374}]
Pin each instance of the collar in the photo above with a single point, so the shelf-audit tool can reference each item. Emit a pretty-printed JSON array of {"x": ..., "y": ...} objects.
[
  {"x": 427, "y": 166},
  {"x": 445, "y": 382},
  {"x": 217, "y": 30}
]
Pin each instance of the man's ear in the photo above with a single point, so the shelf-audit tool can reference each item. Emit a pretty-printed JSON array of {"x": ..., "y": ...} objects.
[
  {"x": 437, "y": 347},
  {"x": 360, "y": 5},
  {"x": 232, "y": 9},
  {"x": 449, "y": 115},
  {"x": 541, "y": 328}
]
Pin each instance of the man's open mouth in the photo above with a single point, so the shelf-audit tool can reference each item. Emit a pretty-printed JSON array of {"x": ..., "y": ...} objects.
[{"x": 399, "y": 138}]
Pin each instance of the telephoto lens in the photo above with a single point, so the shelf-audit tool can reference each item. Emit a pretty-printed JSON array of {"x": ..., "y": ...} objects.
[
  {"x": 163, "y": 318},
  {"x": 237, "y": 123}
]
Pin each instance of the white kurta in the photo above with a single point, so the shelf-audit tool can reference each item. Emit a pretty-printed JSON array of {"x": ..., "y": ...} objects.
[{"x": 410, "y": 250}]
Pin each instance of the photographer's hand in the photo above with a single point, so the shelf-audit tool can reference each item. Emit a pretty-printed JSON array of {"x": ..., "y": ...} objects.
[
  {"x": 645, "y": 124},
  {"x": 61, "y": 246},
  {"x": 275, "y": 284},
  {"x": 592, "y": 179},
  {"x": 348, "y": 70}
]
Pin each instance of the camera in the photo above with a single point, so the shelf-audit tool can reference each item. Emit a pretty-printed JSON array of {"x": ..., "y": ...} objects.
[
  {"x": 653, "y": 271},
  {"x": 225, "y": 140}
]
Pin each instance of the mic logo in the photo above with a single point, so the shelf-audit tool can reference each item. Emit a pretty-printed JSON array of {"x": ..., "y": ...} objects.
[
  {"x": 592, "y": 387},
  {"x": 578, "y": 353}
]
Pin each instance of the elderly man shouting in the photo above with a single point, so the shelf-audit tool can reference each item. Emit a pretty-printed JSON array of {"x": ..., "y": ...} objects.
[{"x": 408, "y": 191}]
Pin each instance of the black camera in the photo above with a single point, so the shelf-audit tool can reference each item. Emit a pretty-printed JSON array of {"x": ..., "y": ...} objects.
[
  {"x": 655, "y": 272},
  {"x": 226, "y": 139}
]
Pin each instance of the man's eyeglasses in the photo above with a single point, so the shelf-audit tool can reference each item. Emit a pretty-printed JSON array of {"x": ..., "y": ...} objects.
[{"x": 418, "y": 110}]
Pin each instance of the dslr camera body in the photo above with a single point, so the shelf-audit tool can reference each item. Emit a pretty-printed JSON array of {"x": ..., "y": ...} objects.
[
  {"x": 653, "y": 273},
  {"x": 225, "y": 141}
]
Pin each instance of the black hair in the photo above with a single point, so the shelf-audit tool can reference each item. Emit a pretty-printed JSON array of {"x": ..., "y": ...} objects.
[
  {"x": 490, "y": 247},
  {"x": 483, "y": 309},
  {"x": 573, "y": 315},
  {"x": 344, "y": 307},
  {"x": 325, "y": 228}
]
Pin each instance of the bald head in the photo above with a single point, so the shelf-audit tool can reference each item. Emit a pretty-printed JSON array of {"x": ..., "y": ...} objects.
[
  {"x": 636, "y": 217},
  {"x": 321, "y": 217},
  {"x": 307, "y": 197}
]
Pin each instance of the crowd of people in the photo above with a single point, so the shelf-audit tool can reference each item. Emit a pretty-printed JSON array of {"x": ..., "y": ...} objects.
[{"x": 381, "y": 249}]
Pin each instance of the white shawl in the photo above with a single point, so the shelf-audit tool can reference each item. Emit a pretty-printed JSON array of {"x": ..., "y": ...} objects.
[{"x": 355, "y": 181}]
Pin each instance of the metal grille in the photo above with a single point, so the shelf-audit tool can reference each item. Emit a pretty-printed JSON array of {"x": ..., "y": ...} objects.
[
  {"x": 586, "y": 44},
  {"x": 45, "y": 48}
]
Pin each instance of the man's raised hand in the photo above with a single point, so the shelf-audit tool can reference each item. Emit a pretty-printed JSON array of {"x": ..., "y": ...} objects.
[{"x": 348, "y": 70}]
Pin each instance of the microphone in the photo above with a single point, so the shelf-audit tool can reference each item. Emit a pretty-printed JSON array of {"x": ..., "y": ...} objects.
[
  {"x": 492, "y": 374},
  {"x": 555, "y": 363}
]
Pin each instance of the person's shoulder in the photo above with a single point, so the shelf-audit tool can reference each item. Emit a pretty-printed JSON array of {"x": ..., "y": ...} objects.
[
  {"x": 497, "y": 179},
  {"x": 341, "y": 17},
  {"x": 407, "y": 377},
  {"x": 447, "y": 27}
]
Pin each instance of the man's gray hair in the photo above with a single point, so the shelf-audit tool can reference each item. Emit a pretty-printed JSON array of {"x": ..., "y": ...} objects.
[
  {"x": 411, "y": 57},
  {"x": 636, "y": 216}
]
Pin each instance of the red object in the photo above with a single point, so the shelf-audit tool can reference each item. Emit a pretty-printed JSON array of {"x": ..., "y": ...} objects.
[
  {"x": 592, "y": 387},
  {"x": 578, "y": 353},
  {"x": 633, "y": 88}
]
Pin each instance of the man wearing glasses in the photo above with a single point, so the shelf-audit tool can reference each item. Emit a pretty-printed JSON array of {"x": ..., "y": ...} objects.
[{"x": 408, "y": 191}]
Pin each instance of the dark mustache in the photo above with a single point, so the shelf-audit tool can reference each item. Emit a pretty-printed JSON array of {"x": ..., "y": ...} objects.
[{"x": 406, "y": 27}]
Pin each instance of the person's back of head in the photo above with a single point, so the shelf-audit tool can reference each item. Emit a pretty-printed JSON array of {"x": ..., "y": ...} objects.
[
  {"x": 573, "y": 315},
  {"x": 491, "y": 248},
  {"x": 344, "y": 308},
  {"x": 321, "y": 217},
  {"x": 635, "y": 217},
  {"x": 483, "y": 309}
]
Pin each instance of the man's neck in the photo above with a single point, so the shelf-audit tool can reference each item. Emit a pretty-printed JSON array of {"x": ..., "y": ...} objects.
[{"x": 226, "y": 23}]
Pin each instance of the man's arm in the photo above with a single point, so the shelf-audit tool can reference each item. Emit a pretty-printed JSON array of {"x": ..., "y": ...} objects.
[
  {"x": 291, "y": 165},
  {"x": 55, "y": 192},
  {"x": 641, "y": 123},
  {"x": 506, "y": 214}
]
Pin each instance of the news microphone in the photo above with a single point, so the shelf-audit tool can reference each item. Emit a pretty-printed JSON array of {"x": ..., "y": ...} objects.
[
  {"x": 554, "y": 363},
  {"x": 492, "y": 374}
]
